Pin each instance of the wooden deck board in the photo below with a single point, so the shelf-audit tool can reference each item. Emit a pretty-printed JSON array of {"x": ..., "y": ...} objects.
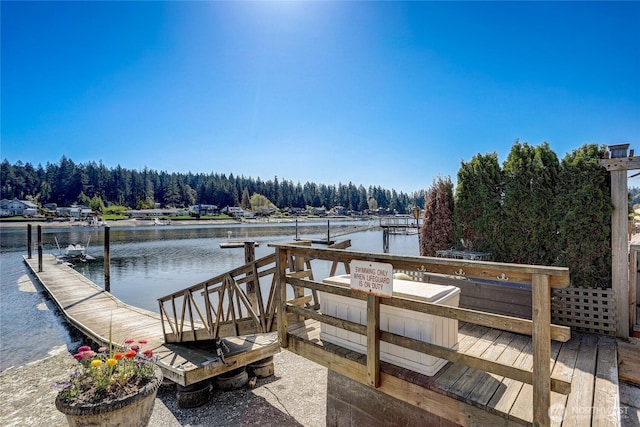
[
  {"x": 502, "y": 402},
  {"x": 486, "y": 390},
  {"x": 522, "y": 409},
  {"x": 510, "y": 400},
  {"x": 629, "y": 358},
  {"x": 582, "y": 384},
  {"x": 606, "y": 400},
  {"x": 472, "y": 378},
  {"x": 103, "y": 317}
]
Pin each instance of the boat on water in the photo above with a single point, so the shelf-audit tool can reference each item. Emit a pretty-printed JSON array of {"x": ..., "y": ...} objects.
[
  {"x": 157, "y": 221},
  {"x": 74, "y": 253},
  {"x": 97, "y": 222},
  {"x": 75, "y": 250}
]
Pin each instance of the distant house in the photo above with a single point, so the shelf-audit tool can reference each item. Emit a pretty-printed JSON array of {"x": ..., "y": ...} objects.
[
  {"x": 202, "y": 209},
  {"x": 322, "y": 211},
  {"x": 75, "y": 211},
  {"x": 17, "y": 207},
  {"x": 266, "y": 210},
  {"x": 154, "y": 213},
  {"x": 339, "y": 210},
  {"x": 237, "y": 212},
  {"x": 298, "y": 211}
]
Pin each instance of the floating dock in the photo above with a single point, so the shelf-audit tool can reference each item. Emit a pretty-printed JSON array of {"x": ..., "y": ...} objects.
[{"x": 101, "y": 316}]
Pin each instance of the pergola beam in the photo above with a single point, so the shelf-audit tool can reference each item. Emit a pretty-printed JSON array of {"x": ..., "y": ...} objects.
[{"x": 618, "y": 164}]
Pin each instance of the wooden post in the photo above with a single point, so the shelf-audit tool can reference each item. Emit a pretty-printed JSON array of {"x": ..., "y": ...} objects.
[
  {"x": 385, "y": 240},
  {"x": 619, "y": 247},
  {"x": 107, "y": 260},
  {"x": 250, "y": 256},
  {"x": 634, "y": 298},
  {"x": 29, "y": 241},
  {"x": 281, "y": 263},
  {"x": 328, "y": 233},
  {"x": 40, "y": 267},
  {"x": 373, "y": 340},
  {"x": 618, "y": 165},
  {"x": 541, "y": 337}
]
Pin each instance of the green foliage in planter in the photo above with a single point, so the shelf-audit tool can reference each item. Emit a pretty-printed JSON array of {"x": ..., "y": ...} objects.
[
  {"x": 583, "y": 208},
  {"x": 437, "y": 230},
  {"x": 478, "y": 204},
  {"x": 529, "y": 224}
]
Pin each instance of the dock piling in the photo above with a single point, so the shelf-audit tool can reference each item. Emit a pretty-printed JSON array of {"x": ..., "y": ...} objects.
[
  {"x": 29, "y": 241},
  {"x": 107, "y": 260},
  {"x": 40, "y": 269}
]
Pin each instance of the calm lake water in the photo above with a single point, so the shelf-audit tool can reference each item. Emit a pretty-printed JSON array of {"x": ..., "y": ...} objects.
[{"x": 147, "y": 262}]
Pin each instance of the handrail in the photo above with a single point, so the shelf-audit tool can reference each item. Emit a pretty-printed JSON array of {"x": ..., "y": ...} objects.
[
  {"x": 231, "y": 303},
  {"x": 541, "y": 278}
]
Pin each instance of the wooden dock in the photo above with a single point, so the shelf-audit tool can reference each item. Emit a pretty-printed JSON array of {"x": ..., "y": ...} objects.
[
  {"x": 470, "y": 396},
  {"x": 99, "y": 315}
]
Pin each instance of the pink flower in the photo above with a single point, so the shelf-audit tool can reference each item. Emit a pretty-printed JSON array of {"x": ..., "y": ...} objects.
[
  {"x": 77, "y": 356},
  {"x": 142, "y": 341},
  {"x": 135, "y": 348},
  {"x": 129, "y": 341},
  {"x": 102, "y": 349},
  {"x": 84, "y": 348},
  {"x": 88, "y": 354}
]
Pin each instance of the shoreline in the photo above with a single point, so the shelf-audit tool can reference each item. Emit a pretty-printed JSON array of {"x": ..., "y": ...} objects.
[{"x": 176, "y": 222}]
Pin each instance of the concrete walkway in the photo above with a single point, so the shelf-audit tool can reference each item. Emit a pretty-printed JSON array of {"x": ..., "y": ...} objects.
[{"x": 294, "y": 396}]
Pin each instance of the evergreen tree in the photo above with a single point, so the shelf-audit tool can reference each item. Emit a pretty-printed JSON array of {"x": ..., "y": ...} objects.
[
  {"x": 529, "y": 225},
  {"x": 436, "y": 232},
  {"x": 583, "y": 207},
  {"x": 246, "y": 202},
  {"x": 478, "y": 204}
]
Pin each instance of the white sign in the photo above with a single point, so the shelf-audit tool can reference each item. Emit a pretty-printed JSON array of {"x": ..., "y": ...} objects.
[{"x": 372, "y": 277}]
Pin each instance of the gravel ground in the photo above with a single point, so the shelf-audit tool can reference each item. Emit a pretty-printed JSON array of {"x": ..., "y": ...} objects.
[{"x": 294, "y": 396}]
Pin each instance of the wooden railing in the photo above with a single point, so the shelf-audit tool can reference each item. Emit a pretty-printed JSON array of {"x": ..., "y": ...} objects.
[
  {"x": 239, "y": 302},
  {"x": 541, "y": 279}
]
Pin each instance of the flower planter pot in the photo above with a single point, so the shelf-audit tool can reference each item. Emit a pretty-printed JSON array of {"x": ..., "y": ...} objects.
[{"x": 132, "y": 410}]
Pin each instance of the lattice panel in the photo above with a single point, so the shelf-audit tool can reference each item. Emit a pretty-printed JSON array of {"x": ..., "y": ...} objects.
[{"x": 586, "y": 310}]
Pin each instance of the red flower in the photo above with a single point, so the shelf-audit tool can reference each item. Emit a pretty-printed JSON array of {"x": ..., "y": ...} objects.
[
  {"x": 118, "y": 356},
  {"x": 129, "y": 341},
  {"x": 148, "y": 353},
  {"x": 142, "y": 341},
  {"x": 130, "y": 354},
  {"x": 135, "y": 348}
]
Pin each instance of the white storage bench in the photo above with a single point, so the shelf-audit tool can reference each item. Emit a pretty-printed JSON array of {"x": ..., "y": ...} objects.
[{"x": 425, "y": 327}]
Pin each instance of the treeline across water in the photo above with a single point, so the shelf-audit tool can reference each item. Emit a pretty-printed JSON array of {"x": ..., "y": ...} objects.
[{"x": 66, "y": 183}]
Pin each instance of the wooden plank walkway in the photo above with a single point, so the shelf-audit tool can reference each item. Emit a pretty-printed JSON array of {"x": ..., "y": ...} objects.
[
  {"x": 629, "y": 357},
  {"x": 98, "y": 314},
  {"x": 468, "y": 396}
]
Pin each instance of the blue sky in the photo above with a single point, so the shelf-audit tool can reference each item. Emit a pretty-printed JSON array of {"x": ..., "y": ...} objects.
[{"x": 375, "y": 93}]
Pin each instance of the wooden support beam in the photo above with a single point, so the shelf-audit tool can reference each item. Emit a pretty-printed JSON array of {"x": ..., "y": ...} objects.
[
  {"x": 373, "y": 340},
  {"x": 541, "y": 350},
  {"x": 619, "y": 248},
  {"x": 281, "y": 262}
]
